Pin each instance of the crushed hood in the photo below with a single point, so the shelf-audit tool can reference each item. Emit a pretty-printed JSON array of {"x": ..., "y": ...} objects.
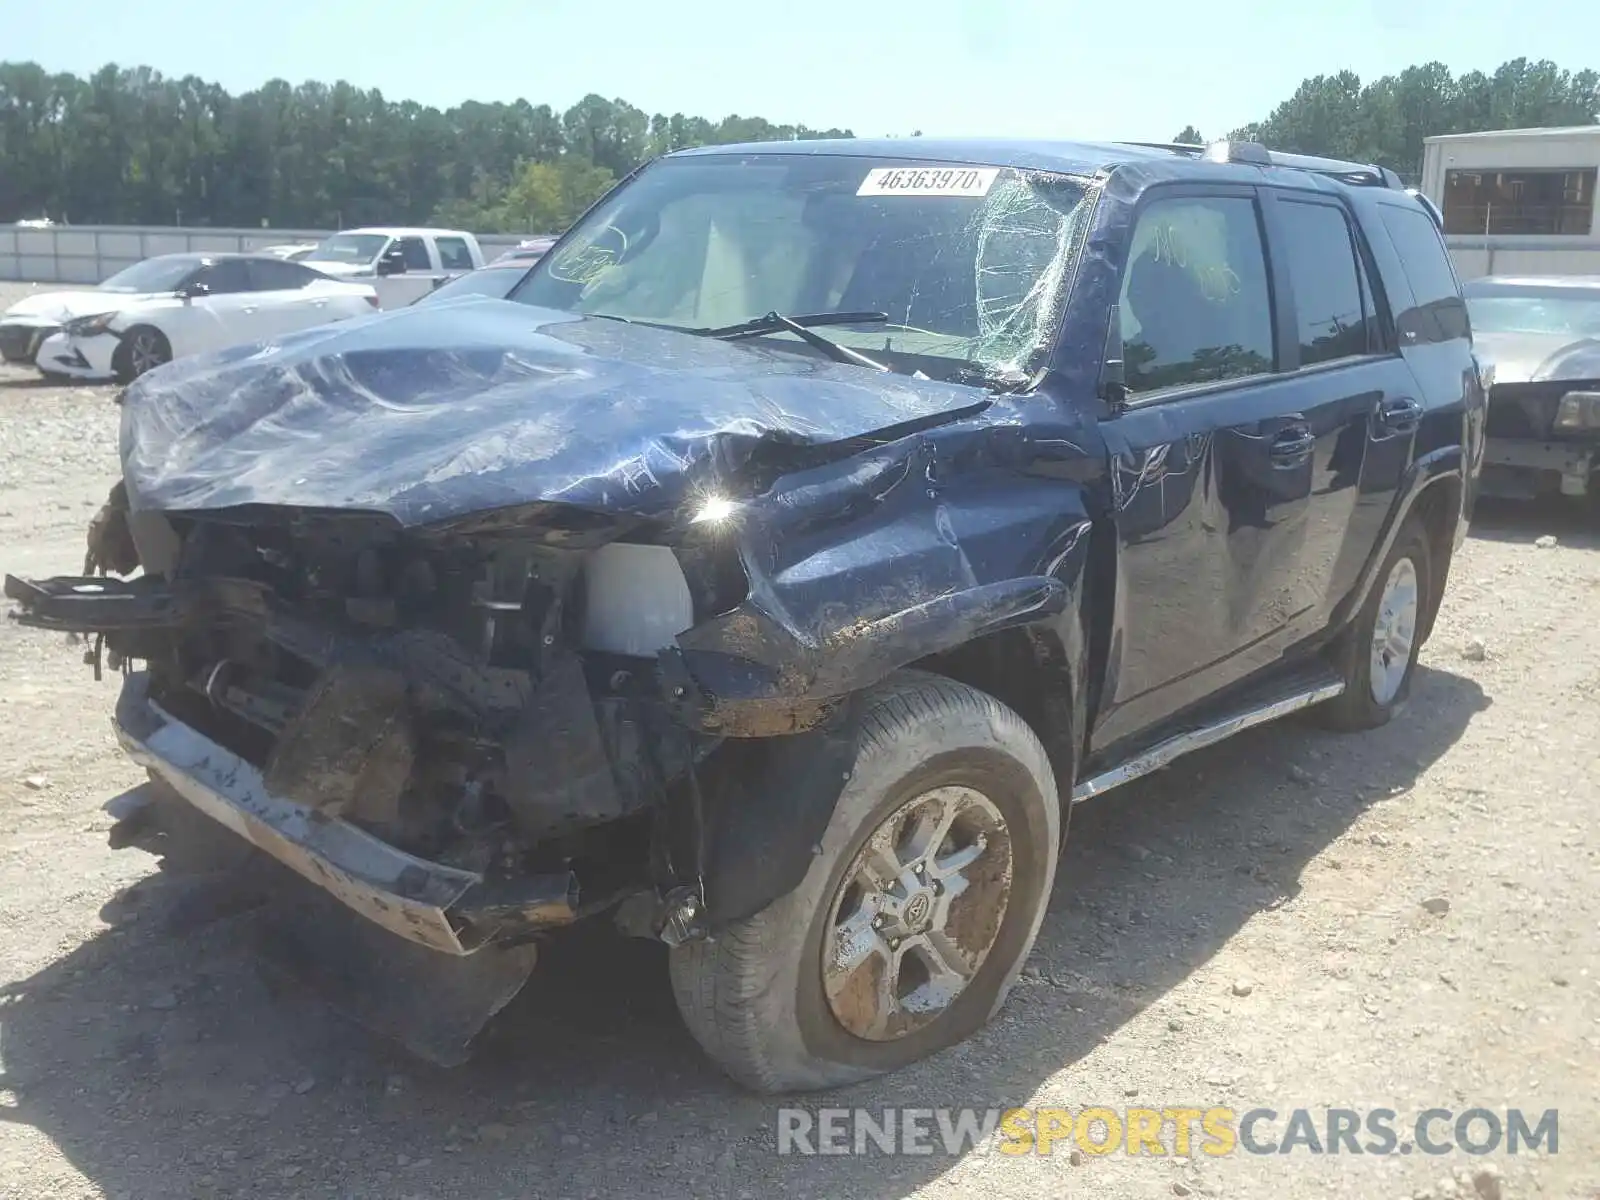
[
  {"x": 441, "y": 411},
  {"x": 1538, "y": 357},
  {"x": 56, "y": 307}
]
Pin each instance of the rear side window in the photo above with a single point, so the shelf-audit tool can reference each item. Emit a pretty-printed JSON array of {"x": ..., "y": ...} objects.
[
  {"x": 1195, "y": 306},
  {"x": 271, "y": 275},
  {"x": 1440, "y": 314},
  {"x": 453, "y": 254},
  {"x": 227, "y": 276},
  {"x": 415, "y": 254},
  {"x": 1333, "y": 305}
]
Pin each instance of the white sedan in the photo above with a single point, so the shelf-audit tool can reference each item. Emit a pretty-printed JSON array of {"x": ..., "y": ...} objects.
[{"x": 170, "y": 306}]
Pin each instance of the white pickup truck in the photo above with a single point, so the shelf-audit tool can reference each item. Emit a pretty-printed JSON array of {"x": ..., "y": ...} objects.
[{"x": 401, "y": 264}]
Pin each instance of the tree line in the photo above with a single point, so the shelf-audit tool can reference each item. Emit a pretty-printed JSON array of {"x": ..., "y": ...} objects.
[
  {"x": 1385, "y": 120},
  {"x": 132, "y": 146}
]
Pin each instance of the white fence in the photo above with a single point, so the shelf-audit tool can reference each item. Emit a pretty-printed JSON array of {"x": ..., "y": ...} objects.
[
  {"x": 88, "y": 254},
  {"x": 1476, "y": 255}
]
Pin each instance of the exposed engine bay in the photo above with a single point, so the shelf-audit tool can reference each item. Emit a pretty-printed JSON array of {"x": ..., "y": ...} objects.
[{"x": 488, "y": 704}]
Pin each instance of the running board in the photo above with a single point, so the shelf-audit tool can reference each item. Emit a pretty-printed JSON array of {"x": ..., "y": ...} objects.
[{"x": 1176, "y": 747}]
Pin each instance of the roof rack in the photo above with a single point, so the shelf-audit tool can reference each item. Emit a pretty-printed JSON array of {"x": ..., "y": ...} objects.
[{"x": 1254, "y": 153}]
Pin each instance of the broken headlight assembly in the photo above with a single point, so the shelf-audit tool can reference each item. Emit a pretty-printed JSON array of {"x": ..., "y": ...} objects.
[
  {"x": 638, "y": 597},
  {"x": 89, "y": 326},
  {"x": 1578, "y": 411}
]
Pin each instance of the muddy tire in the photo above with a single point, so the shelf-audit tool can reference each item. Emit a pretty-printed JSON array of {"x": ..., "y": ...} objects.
[
  {"x": 1377, "y": 655},
  {"x": 863, "y": 969}
]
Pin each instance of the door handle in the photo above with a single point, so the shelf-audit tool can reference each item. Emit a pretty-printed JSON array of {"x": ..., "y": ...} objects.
[
  {"x": 248, "y": 308},
  {"x": 1397, "y": 415},
  {"x": 1292, "y": 446}
]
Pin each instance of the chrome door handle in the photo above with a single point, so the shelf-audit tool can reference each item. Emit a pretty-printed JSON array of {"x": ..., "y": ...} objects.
[
  {"x": 1292, "y": 445},
  {"x": 1398, "y": 414}
]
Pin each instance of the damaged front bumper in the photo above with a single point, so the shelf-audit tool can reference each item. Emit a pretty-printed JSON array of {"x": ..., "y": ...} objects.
[
  {"x": 441, "y": 907},
  {"x": 88, "y": 358},
  {"x": 1507, "y": 460}
]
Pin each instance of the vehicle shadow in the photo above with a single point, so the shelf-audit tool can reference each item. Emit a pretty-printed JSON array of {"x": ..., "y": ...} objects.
[
  {"x": 161, "y": 1063},
  {"x": 1571, "y": 521}
]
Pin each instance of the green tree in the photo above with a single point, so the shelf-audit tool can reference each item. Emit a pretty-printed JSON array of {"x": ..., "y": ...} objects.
[
  {"x": 1190, "y": 136},
  {"x": 128, "y": 145},
  {"x": 1386, "y": 120},
  {"x": 547, "y": 197}
]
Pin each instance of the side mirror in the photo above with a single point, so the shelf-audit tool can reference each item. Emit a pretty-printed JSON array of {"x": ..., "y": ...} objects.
[
  {"x": 392, "y": 261},
  {"x": 1113, "y": 370},
  {"x": 195, "y": 289}
]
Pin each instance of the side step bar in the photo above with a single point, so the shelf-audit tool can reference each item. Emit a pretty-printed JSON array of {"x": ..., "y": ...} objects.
[{"x": 1177, "y": 746}]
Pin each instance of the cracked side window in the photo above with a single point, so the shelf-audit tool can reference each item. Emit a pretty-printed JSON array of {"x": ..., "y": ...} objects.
[{"x": 1195, "y": 305}]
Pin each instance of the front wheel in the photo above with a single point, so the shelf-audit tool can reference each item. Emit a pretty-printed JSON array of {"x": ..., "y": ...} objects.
[
  {"x": 143, "y": 349},
  {"x": 918, "y": 911},
  {"x": 1378, "y": 653}
]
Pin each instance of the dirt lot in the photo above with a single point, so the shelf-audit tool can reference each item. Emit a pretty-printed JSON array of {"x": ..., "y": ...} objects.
[{"x": 1408, "y": 919}]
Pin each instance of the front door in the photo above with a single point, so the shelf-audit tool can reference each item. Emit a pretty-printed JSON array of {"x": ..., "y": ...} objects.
[{"x": 1229, "y": 467}]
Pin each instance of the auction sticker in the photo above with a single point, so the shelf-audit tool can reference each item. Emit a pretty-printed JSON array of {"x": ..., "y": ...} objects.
[{"x": 928, "y": 181}]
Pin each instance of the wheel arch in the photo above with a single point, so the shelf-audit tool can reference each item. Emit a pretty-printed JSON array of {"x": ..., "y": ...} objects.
[
  {"x": 120, "y": 363},
  {"x": 1432, "y": 490},
  {"x": 769, "y": 799},
  {"x": 1031, "y": 671}
]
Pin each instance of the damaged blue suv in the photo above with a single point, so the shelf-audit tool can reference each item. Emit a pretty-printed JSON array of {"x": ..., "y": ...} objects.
[{"x": 773, "y": 570}]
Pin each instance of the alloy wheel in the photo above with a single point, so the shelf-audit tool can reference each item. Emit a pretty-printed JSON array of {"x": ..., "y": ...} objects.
[{"x": 916, "y": 913}]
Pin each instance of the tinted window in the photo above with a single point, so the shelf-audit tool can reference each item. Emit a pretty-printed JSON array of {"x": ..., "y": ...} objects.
[
  {"x": 1440, "y": 313},
  {"x": 226, "y": 276},
  {"x": 453, "y": 254},
  {"x": 1330, "y": 300},
  {"x": 273, "y": 276},
  {"x": 415, "y": 253},
  {"x": 1195, "y": 305}
]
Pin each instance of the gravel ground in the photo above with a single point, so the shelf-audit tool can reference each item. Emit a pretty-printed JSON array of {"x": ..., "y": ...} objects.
[{"x": 1405, "y": 919}]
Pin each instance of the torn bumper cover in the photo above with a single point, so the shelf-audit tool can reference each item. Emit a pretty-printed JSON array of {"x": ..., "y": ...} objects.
[{"x": 441, "y": 907}]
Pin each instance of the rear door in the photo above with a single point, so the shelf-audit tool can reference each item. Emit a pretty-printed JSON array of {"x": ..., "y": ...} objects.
[
  {"x": 283, "y": 303},
  {"x": 223, "y": 316},
  {"x": 1346, "y": 367},
  {"x": 1233, "y": 465}
]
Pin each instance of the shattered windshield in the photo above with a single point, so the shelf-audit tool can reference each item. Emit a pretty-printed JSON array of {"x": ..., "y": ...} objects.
[
  {"x": 1566, "y": 309},
  {"x": 969, "y": 264}
]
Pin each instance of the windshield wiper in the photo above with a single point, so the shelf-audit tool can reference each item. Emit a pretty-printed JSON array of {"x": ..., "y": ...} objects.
[{"x": 773, "y": 322}]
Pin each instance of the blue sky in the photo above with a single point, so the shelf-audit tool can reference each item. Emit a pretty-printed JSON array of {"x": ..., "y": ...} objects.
[{"x": 1138, "y": 69}]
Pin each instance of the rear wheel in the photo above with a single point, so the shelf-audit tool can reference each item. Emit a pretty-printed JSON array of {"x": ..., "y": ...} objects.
[
  {"x": 920, "y": 907},
  {"x": 1378, "y": 653},
  {"x": 143, "y": 349}
]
